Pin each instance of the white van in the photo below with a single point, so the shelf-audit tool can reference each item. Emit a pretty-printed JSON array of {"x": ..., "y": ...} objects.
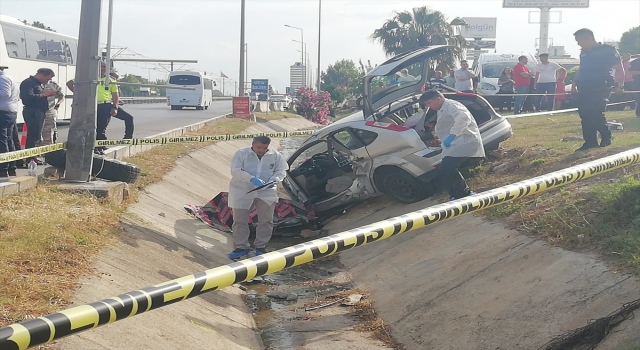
[
  {"x": 489, "y": 66},
  {"x": 200, "y": 98}
]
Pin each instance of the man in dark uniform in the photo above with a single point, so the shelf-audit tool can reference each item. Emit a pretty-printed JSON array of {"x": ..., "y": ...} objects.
[{"x": 593, "y": 85}]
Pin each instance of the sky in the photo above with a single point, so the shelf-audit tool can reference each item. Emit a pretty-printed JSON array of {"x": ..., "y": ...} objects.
[{"x": 209, "y": 30}]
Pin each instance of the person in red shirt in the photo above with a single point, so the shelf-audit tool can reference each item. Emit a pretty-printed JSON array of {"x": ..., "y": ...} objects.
[{"x": 522, "y": 81}]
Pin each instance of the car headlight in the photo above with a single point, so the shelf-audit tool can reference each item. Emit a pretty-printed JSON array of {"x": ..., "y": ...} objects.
[{"x": 487, "y": 86}]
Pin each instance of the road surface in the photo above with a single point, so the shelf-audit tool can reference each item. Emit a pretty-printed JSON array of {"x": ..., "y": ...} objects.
[{"x": 154, "y": 118}]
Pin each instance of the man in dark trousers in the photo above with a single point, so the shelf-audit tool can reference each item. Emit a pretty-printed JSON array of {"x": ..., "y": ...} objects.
[
  {"x": 593, "y": 85},
  {"x": 9, "y": 94},
  {"x": 35, "y": 102}
]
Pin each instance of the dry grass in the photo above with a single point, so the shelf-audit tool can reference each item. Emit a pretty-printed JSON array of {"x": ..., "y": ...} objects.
[
  {"x": 46, "y": 242},
  {"x": 262, "y": 117},
  {"x": 371, "y": 323},
  {"x": 578, "y": 216}
]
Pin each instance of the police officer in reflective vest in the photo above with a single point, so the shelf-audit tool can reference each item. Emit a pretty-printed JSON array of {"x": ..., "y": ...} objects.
[{"x": 593, "y": 85}]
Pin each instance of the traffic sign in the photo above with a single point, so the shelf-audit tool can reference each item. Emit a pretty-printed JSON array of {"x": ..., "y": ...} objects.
[{"x": 260, "y": 86}]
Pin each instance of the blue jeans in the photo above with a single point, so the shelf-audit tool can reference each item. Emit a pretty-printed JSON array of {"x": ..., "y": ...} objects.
[
  {"x": 448, "y": 177},
  {"x": 545, "y": 88},
  {"x": 518, "y": 101}
]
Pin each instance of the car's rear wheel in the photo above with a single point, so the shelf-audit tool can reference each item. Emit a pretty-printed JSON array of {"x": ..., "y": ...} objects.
[{"x": 405, "y": 188}]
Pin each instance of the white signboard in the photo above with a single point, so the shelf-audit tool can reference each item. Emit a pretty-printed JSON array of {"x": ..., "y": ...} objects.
[
  {"x": 479, "y": 27},
  {"x": 545, "y": 3}
]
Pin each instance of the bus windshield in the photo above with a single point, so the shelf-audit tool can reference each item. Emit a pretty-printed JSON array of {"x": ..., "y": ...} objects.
[{"x": 184, "y": 80}]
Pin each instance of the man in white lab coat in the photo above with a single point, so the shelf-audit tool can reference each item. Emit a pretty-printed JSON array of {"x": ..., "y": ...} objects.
[
  {"x": 458, "y": 131},
  {"x": 253, "y": 167}
]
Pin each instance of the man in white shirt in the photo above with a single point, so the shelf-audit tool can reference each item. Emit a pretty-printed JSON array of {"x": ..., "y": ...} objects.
[
  {"x": 251, "y": 168},
  {"x": 9, "y": 95},
  {"x": 545, "y": 82},
  {"x": 460, "y": 136},
  {"x": 464, "y": 78}
]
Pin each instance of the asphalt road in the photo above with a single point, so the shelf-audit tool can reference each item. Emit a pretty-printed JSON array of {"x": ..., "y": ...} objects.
[{"x": 154, "y": 118}]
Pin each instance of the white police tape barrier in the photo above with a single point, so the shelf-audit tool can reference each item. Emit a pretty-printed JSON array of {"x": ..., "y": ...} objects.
[
  {"x": 45, "y": 329},
  {"x": 33, "y": 152}
]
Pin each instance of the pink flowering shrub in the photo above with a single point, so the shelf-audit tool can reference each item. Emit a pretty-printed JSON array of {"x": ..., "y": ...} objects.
[{"x": 313, "y": 105}]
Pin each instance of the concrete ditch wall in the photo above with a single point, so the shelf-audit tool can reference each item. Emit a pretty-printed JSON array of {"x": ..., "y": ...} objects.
[
  {"x": 472, "y": 284},
  {"x": 161, "y": 243}
]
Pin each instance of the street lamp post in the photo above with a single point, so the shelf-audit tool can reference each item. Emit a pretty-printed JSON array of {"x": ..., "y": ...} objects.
[
  {"x": 242, "y": 51},
  {"x": 302, "y": 48},
  {"x": 305, "y": 62}
]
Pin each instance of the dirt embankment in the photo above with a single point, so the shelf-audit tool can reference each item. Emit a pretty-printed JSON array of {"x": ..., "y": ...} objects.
[
  {"x": 472, "y": 284},
  {"x": 163, "y": 243}
]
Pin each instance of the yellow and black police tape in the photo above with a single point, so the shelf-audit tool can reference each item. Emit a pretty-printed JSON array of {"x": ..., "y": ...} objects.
[
  {"x": 33, "y": 152},
  {"x": 30, "y": 152},
  {"x": 180, "y": 139},
  {"x": 48, "y": 328}
]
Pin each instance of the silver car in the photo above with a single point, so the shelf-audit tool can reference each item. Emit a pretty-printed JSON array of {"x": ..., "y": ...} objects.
[{"x": 387, "y": 148}]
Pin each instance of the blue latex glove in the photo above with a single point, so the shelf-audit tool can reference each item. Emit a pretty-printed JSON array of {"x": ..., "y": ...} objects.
[
  {"x": 447, "y": 141},
  {"x": 257, "y": 182}
]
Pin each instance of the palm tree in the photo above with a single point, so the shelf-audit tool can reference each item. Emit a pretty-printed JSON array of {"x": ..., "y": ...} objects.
[{"x": 418, "y": 28}]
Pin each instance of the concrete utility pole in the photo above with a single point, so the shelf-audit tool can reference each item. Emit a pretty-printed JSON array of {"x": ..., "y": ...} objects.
[
  {"x": 544, "y": 30},
  {"x": 319, "y": 27},
  {"x": 82, "y": 130},
  {"x": 241, "y": 92}
]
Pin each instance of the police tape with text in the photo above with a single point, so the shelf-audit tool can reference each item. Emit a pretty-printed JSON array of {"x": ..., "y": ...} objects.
[
  {"x": 181, "y": 139},
  {"x": 45, "y": 329}
]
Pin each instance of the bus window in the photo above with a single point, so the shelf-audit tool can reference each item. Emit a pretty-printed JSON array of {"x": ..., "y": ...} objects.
[
  {"x": 208, "y": 84},
  {"x": 14, "y": 41},
  {"x": 36, "y": 45},
  {"x": 184, "y": 80},
  {"x": 55, "y": 50}
]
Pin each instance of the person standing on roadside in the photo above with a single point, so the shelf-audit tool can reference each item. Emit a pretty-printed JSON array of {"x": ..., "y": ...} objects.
[
  {"x": 9, "y": 95},
  {"x": 521, "y": 83},
  {"x": 251, "y": 168},
  {"x": 634, "y": 85},
  {"x": 561, "y": 95},
  {"x": 464, "y": 77},
  {"x": 545, "y": 82},
  {"x": 451, "y": 79},
  {"x": 49, "y": 130},
  {"x": 34, "y": 99},
  {"x": 505, "y": 82},
  {"x": 108, "y": 106},
  {"x": 461, "y": 140},
  {"x": 437, "y": 81},
  {"x": 593, "y": 85}
]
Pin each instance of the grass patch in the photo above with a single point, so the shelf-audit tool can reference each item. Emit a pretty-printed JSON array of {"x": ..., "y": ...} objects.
[
  {"x": 599, "y": 214},
  {"x": 262, "y": 117},
  {"x": 46, "y": 242},
  {"x": 48, "y": 237}
]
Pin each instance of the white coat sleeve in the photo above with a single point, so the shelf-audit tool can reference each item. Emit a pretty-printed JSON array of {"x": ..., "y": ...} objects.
[
  {"x": 280, "y": 170},
  {"x": 460, "y": 121},
  {"x": 237, "y": 163}
]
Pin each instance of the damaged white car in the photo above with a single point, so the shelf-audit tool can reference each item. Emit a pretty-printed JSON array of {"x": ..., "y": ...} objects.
[{"x": 388, "y": 148}]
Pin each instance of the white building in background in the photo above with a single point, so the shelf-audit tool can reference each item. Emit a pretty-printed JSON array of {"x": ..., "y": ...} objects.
[{"x": 297, "y": 76}]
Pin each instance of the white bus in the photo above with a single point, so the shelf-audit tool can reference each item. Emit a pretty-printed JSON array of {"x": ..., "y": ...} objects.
[
  {"x": 200, "y": 98},
  {"x": 27, "y": 49}
]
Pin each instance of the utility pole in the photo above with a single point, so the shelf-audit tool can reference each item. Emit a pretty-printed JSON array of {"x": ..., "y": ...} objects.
[
  {"x": 82, "y": 130},
  {"x": 544, "y": 30},
  {"x": 241, "y": 92},
  {"x": 319, "y": 27}
]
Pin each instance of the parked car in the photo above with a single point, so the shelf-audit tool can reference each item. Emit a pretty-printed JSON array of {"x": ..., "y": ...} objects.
[
  {"x": 386, "y": 148},
  {"x": 286, "y": 100}
]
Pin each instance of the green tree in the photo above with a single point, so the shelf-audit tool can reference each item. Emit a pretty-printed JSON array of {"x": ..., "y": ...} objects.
[
  {"x": 421, "y": 27},
  {"x": 38, "y": 25},
  {"x": 161, "y": 91},
  {"x": 341, "y": 79},
  {"x": 630, "y": 41},
  {"x": 127, "y": 90}
]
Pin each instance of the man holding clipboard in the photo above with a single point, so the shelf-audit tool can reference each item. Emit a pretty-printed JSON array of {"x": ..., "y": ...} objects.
[{"x": 255, "y": 171}]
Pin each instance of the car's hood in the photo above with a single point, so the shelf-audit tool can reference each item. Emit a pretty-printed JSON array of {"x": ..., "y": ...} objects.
[{"x": 375, "y": 100}]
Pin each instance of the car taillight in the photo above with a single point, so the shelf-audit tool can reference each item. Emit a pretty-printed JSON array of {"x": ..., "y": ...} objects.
[{"x": 387, "y": 126}]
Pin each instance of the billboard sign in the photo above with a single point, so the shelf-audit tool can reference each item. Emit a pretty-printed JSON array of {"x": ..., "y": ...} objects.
[
  {"x": 479, "y": 27},
  {"x": 260, "y": 86},
  {"x": 545, "y": 3},
  {"x": 241, "y": 106}
]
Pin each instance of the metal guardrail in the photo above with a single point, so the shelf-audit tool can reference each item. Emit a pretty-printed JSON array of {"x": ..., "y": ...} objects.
[{"x": 45, "y": 329}]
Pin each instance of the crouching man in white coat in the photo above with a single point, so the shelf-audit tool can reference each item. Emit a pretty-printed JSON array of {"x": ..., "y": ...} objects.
[
  {"x": 252, "y": 167},
  {"x": 458, "y": 131}
]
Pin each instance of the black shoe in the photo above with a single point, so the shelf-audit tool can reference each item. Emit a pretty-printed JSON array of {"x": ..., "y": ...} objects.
[
  {"x": 586, "y": 147},
  {"x": 606, "y": 142}
]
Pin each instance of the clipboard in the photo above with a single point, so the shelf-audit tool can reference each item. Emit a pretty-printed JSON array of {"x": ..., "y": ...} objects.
[{"x": 262, "y": 186}]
